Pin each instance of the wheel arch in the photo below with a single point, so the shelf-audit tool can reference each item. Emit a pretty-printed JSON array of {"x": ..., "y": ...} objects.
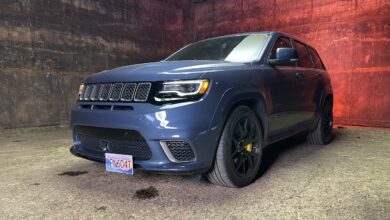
[
  {"x": 232, "y": 99},
  {"x": 329, "y": 97},
  {"x": 258, "y": 106},
  {"x": 326, "y": 97}
]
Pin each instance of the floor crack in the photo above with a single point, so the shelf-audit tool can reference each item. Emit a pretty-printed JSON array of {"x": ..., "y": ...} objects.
[{"x": 307, "y": 184}]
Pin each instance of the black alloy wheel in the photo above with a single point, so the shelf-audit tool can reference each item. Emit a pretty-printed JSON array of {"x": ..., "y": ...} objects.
[
  {"x": 238, "y": 157},
  {"x": 322, "y": 134},
  {"x": 327, "y": 121},
  {"x": 245, "y": 146}
]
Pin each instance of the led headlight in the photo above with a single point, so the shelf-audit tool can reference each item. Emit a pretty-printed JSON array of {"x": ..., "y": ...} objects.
[
  {"x": 182, "y": 90},
  {"x": 81, "y": 89}
]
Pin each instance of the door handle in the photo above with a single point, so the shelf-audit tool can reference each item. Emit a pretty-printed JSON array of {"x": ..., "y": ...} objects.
[
  {"x": 299, "y": 75},
  {"x": 318, "y": 75}
]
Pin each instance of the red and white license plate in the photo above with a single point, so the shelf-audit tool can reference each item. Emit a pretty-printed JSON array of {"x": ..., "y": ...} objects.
[{"x": 119, "y": 163}]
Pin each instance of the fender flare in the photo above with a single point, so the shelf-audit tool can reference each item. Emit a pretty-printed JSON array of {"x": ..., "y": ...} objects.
[{"x": 231, "y": 98}]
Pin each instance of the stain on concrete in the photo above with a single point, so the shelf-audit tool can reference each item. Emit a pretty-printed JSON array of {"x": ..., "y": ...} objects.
[
  {"x": 347, "y": 179},
  {"x": 146, "y": 193},
  {"x": 73, "y": 173},
  {"x": 17, "y": 141},
  {"x": 101, "y": 208}
]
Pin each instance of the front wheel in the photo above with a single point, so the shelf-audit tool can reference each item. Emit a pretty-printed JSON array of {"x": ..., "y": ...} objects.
[
  {"x": 239, "y": 152},
  {"x": 323, "y": 133}
]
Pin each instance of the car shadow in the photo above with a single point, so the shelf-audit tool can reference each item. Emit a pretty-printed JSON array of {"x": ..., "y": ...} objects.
[
  {"x": 162, "y": 190},
  {"x": 272, "y": 152}
]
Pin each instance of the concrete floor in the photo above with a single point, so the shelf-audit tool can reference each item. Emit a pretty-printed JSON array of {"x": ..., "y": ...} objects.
[{"x": 348, "y": 179}]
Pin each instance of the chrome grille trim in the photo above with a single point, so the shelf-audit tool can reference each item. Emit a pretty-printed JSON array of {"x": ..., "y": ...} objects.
[
  {"x": 116, "y": 92},
  {"x": 105, "y": 92},
  {"x": 128, "y": 92},
  {"x": 142, "y": 92},
  {"x": 87, "y": 93},
  {"x": 113, "y": 92},
  {"x": 95, "y": 92}
]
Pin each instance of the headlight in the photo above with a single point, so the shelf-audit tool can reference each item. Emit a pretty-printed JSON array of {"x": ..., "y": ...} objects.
[
  {"x": 182, "y": 90},
  {"x": 81, "y": 89}
]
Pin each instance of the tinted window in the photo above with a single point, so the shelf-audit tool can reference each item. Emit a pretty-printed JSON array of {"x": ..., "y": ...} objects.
[
  {"x": 316, "y": 59},
  {"x": 303, "y": 55},
  {"x": 281, "y": 42},
  {"x": 243, "y": 48}
]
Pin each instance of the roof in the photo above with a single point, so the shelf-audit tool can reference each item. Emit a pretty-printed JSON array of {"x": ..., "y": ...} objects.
[{"x": 272, "y": 33}]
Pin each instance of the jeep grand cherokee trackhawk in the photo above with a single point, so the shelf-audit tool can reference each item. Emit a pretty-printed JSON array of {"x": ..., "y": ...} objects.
[{"x": 209, "y": 108}]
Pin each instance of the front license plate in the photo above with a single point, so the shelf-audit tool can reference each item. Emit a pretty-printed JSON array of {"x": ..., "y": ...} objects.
[{"x": 119, "y": 163}]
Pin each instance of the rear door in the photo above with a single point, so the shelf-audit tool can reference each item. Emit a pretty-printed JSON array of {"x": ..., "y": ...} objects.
[
  {"x": 284, "y": 92},
  {"x": 319, "y": 69},
  {"x": 307, "y": 83}
]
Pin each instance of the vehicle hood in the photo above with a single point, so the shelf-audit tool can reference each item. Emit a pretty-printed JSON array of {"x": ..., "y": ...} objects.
[{"x": 160, "y": 71}]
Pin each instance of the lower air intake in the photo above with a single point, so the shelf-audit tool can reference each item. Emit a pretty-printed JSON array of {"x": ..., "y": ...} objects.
[
  {"x": 108, "y": 140},
  {"x": 178, "y": 151}
]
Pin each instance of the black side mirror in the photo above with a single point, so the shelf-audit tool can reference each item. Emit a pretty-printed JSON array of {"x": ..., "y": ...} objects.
[{"x": 284, "y": 56}]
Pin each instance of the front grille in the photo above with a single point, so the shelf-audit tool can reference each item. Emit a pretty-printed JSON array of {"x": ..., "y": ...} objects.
[
  {"x": 116, "y": 92},
  {"x": 142, "y": 92},
  {"x": 104, "y": 92},
  {"x": 128, "y": 92},
  {"x": 95, "y": 92},
  {"x": 87, "y": 92},
  {"x": 181, "y": 151},
  {"x": 119, "y": 141}
]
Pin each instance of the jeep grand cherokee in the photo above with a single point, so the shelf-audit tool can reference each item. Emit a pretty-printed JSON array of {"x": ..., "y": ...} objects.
[{"x": 210, "y": 108}]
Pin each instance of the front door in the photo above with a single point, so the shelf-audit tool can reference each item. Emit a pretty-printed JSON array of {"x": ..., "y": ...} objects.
[{"x": 284, "y": 92}]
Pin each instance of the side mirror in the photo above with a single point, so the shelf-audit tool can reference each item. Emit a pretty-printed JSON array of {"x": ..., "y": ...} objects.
[{"x": 285, "y": 55}]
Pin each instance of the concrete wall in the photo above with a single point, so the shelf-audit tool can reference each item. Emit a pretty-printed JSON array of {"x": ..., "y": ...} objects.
[
  {"x": 48, "y": 46},
  {"x": 352, "y": 37}
]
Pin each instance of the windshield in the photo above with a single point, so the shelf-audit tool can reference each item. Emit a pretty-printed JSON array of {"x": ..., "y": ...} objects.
[{"x": 243, "y": 48}]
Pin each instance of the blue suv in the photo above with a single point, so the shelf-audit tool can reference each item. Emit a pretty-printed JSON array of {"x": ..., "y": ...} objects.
[{"x": 210, "y": 108}]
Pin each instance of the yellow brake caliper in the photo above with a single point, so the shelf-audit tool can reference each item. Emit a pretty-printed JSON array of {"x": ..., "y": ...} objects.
[{"x": 249, "y": 147}]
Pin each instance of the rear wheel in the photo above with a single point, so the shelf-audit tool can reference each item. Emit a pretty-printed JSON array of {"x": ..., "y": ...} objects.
[
  {"x": 239, "y": 152},
  {"x": 323, "y": 133}
]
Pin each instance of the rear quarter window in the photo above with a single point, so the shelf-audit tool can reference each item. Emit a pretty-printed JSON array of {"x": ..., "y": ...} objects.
[{"x": 316, "y": 59}]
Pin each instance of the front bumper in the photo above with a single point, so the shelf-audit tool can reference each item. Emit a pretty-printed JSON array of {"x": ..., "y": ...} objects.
[
  {"x": 190, "y": 122},
  {"x": 188, "y": 169}
]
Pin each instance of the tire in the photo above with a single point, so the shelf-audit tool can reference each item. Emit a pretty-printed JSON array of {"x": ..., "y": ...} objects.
[
  {"x": 322, "y": 134},
  {"x": 239, "y": 152}
]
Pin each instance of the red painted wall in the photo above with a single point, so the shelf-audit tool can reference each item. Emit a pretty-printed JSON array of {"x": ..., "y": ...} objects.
[{"x": 352, "y": 37}]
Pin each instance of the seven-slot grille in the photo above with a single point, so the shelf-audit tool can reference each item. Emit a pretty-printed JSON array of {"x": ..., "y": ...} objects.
[{"x": 125, "y": 92}]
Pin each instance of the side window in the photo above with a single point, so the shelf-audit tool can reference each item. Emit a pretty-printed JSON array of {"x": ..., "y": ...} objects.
[
  {"x": 303, "y": 55},
  {"x": 316, "y": 59},
  {"x": 280, "y": 42}
]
